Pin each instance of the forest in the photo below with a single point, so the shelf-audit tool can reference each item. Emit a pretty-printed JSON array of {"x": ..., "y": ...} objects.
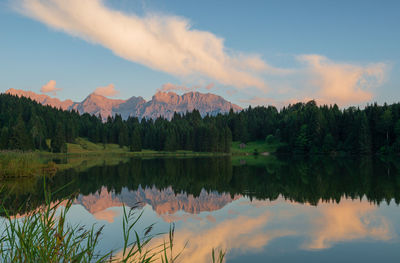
[{"x": 302, "y": 128}]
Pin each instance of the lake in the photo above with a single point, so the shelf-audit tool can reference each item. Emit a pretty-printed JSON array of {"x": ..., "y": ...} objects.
[{"x": 258, "y": 209}]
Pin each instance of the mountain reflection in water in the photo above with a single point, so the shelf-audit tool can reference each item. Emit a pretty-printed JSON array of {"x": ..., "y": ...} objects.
[
  {"x": 164, "y": 202},
  {"x": 260, "y": 208}
]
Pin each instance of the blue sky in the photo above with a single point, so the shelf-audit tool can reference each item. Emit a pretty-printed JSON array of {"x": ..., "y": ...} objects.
[{"x": 254, "y": 52}]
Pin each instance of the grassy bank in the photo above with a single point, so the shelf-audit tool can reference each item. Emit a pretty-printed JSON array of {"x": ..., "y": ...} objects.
[
  {"x": 84, "y": 154},
  {"x": 24, "y": 164},
  {"x": 256, "y": 147},
  {"x": 83, "y": 147}
]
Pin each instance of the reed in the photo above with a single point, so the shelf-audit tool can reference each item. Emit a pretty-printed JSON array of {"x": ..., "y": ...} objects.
[
  {"x": 43, "y": 235},
  {"x": 21, "y": 164}
]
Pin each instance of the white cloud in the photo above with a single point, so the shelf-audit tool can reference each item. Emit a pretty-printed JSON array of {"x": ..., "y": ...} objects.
[
  {"x": 50, "y": 87},
  {"x": 107, "y": 91},
  {"x": 162, "y": 42}
]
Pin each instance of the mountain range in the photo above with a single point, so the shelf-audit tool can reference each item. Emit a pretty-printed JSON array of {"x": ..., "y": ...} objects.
[{"x": 162, "y": 104}]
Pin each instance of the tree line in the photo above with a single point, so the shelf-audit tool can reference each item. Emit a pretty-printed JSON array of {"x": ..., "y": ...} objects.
[
  {"x": 302, "y": 128},
  {"x": 306, "y": 128},
  {"x": 28, "y": 125}
]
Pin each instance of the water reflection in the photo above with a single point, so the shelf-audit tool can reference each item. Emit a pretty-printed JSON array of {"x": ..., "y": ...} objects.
[
  {"x": 247, "y": 226},
  {"x": 164, "y": 202},
  {"x": 261, "y": 208},
  {"x": 349, "y": 220}
]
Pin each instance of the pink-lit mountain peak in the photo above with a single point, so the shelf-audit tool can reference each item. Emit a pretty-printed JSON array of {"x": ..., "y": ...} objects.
[{"x": 162, "y": 104}]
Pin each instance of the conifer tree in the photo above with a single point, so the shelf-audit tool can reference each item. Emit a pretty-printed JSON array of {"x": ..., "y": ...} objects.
[
  {"x": 136, "y": 142},
  {"x": 4, "y": 138},
  {"x": 364, "y": 137},
  {"x": 20, "y": 138},
  {"x": 228, "y": 140},
  {"x": 58, "y": 144}
]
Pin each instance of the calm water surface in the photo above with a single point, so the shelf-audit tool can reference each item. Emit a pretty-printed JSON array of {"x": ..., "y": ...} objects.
[{"x": 263, "y": 209}]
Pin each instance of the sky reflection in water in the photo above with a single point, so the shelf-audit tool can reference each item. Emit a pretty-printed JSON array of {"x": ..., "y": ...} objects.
[
  {"x": 267, "y": 210},
  {"x": 246, "y": 227}
]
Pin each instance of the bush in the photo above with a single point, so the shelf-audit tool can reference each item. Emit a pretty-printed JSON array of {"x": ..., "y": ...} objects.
[{"x": 270, "y": 139}]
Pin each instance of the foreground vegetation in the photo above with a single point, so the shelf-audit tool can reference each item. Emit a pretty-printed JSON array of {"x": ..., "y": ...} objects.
[
  {"x": 43, "y": 235},
  {"x": 23, "y": 164}
]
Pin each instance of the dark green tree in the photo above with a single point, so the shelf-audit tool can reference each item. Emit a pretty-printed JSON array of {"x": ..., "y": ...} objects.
[
  {"x": 136, "y": 142},
  {"x": 20, "y": 138},
  {"x": 58, "y": 142}
]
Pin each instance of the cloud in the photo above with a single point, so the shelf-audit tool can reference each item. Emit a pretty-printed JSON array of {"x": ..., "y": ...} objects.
[
  {"x": 210, "y": 86},
  {"x": 345, "y": 222},
  {"x": 107, "y": 91},
  {"x": 211, "y": 218},
  {"x": 173, "y": 87},
  {"x": 171, "y": 218},
  {"x": 106, "y": 215},
  {"x": 268, "y": 102},
  {"x": 170, "y": 44},
  {"x": 50, "y": 87},
  {"x": 342, "y": 83},
  {"x": 330, "y": 223},
  {"x": 324, "y": 80},
  {"x": 162, "y": 42},
  {"x": 243, "y": 233}
]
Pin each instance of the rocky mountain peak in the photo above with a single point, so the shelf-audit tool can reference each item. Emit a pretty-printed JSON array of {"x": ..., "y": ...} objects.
[
  {"x": 166, "y": 97},
  {"x": 162, "y": 104}
]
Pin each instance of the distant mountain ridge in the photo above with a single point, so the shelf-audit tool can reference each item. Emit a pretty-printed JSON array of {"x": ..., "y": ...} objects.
[
  {"x": 41, "y": 98},
  {"x": 162, "y": 104}
]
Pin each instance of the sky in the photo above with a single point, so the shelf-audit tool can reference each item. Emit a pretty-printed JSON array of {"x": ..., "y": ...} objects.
[{"x": 250, "y": 52}]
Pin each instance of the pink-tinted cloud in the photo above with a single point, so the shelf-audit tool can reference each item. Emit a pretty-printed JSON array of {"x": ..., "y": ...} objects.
[
  {"x": 341, "y": 83},
  {"x": 346, "y": 221},
  {"x": 325, "y": 81},
  {"x": 108, "y": 215},
  {"x": 243, "y": 233},
  {"x": 210, "y": 86},
  {"x": 50, "y": 87},
  {"x": 260, "y": 101},
  {"x": 332, "y": 223},
  {"x": 173, "y": 87},
  {"x": 211, "y": 218},
  {"x": 107, "y": 91}
]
